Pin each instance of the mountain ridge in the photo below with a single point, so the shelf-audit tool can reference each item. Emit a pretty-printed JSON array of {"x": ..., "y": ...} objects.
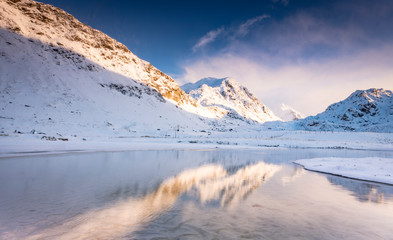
[
  {"x": 363, "y": 110},
  {"x": 59, "y": 76},
  {"x": 228, "y": 94},
  {"x": 59, "y": 73},
  {"x": 56, "y": 27}
]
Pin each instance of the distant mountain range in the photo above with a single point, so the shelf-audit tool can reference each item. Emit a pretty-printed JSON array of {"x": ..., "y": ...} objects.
[{"x": 62, "y": 77}]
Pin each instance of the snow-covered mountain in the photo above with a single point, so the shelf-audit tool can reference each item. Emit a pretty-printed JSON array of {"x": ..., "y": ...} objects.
[
  {"x": 287, "y": 113},
  {"x": 363, "y": 110},
  {"x": 58, "y": 75},
  {"x": 228, "y": 94}
]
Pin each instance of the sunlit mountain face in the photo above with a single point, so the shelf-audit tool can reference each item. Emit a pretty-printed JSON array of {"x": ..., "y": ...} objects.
[{"x": 236, "y": 100}]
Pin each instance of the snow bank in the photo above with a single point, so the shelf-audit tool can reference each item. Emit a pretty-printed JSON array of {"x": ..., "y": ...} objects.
[{"x": 370, "y": 169}]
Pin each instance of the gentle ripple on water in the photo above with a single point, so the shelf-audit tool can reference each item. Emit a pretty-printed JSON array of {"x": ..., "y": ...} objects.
[{"x": 189, "y": 195}]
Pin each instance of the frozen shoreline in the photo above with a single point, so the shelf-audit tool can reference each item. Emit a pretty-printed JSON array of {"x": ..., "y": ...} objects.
[
  {"x": 369, "y": 169},
  {"x": 32, "y": 144}
]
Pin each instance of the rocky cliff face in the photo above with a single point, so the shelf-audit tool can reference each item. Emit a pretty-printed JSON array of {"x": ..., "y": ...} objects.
[
  {"x": 59, "y": 29},
  {"x": 363, "y": 110},
  {"x": 228, "y": 94}
]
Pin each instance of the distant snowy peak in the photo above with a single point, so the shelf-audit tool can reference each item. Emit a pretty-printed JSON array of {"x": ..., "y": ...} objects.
[
  {"x": 287, "y": 113},
  {"x": 211, "y": 82},
  {"x": 228, "y": 94},
  {"x": 363, "y": 110}
]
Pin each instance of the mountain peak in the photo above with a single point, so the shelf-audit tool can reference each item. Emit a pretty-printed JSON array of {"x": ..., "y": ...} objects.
[
  {"x": 363, "y": 110},
  {"x": 228, "y": 94},
  {"x": 371, "y": 94},
  {"x": 209, "y": 81},
  {"x": 287, "y": 113}
]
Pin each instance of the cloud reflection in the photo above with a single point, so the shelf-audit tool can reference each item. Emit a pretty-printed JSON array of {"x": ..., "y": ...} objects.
[{"x": 212, "y": 182}]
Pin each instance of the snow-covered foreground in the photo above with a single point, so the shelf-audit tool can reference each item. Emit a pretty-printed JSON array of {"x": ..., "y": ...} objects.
[
  {"x": 33, "y": 144},
  {"x": 370, "y": 169}
]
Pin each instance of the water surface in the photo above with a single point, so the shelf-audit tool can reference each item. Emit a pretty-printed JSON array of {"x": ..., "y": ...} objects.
[{"x": 215, "y": 194}]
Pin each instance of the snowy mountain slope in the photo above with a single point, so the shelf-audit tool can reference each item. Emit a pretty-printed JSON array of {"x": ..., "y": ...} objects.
[
  {"x": 61, "y": 77},
  {"x": 228, "y": 94},
  {"x": 287, "y": 113},
  {"x": 55, "y": 27},
  {"x": 53, "y": 93},
  {"x": 363, "y": 110}
]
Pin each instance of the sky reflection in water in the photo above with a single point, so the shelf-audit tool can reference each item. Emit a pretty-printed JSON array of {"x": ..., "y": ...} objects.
[{"x": 185, "y": 194}]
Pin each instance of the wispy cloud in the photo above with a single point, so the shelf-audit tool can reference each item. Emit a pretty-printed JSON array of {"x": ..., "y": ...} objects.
[
  {"x": 244, "y": 28},
  {"x": 208, "y": 38},
  {"x": 231, "y": 33}
]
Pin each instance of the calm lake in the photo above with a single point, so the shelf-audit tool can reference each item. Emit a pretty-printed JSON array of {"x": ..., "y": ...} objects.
[{"x": 206, "y": 194}]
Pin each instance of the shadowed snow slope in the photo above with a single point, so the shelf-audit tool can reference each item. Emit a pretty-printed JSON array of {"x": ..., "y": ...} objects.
[
  {"x": 227, "y": 93},
  {"x": 363, "y": 110}
]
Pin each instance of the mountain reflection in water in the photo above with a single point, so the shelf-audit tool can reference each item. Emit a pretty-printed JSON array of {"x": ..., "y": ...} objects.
[
  {"x": 364, "y": 191},
  {"x": 211, "y": 182}
]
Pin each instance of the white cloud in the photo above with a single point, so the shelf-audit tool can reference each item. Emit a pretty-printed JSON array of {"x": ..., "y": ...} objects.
[{"x": 208, "y": 38}]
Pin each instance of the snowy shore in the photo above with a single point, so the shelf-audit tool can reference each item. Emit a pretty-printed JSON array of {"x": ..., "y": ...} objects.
[
  {"x": 370, "y": 169},
  {"x": 33, "y": 144}
]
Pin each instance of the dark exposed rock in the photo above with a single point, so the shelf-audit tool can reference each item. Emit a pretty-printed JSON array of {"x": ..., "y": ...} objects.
[{"x": 135, "y": 91}]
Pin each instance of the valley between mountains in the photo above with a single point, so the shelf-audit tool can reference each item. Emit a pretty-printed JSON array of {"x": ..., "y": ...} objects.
[{"x": 65, "y": 86}]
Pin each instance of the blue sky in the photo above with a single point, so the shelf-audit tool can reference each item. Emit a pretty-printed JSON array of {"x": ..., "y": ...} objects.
[
  {"x": 307, "y": 54},
  {"x": 164, "y": 32}
]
